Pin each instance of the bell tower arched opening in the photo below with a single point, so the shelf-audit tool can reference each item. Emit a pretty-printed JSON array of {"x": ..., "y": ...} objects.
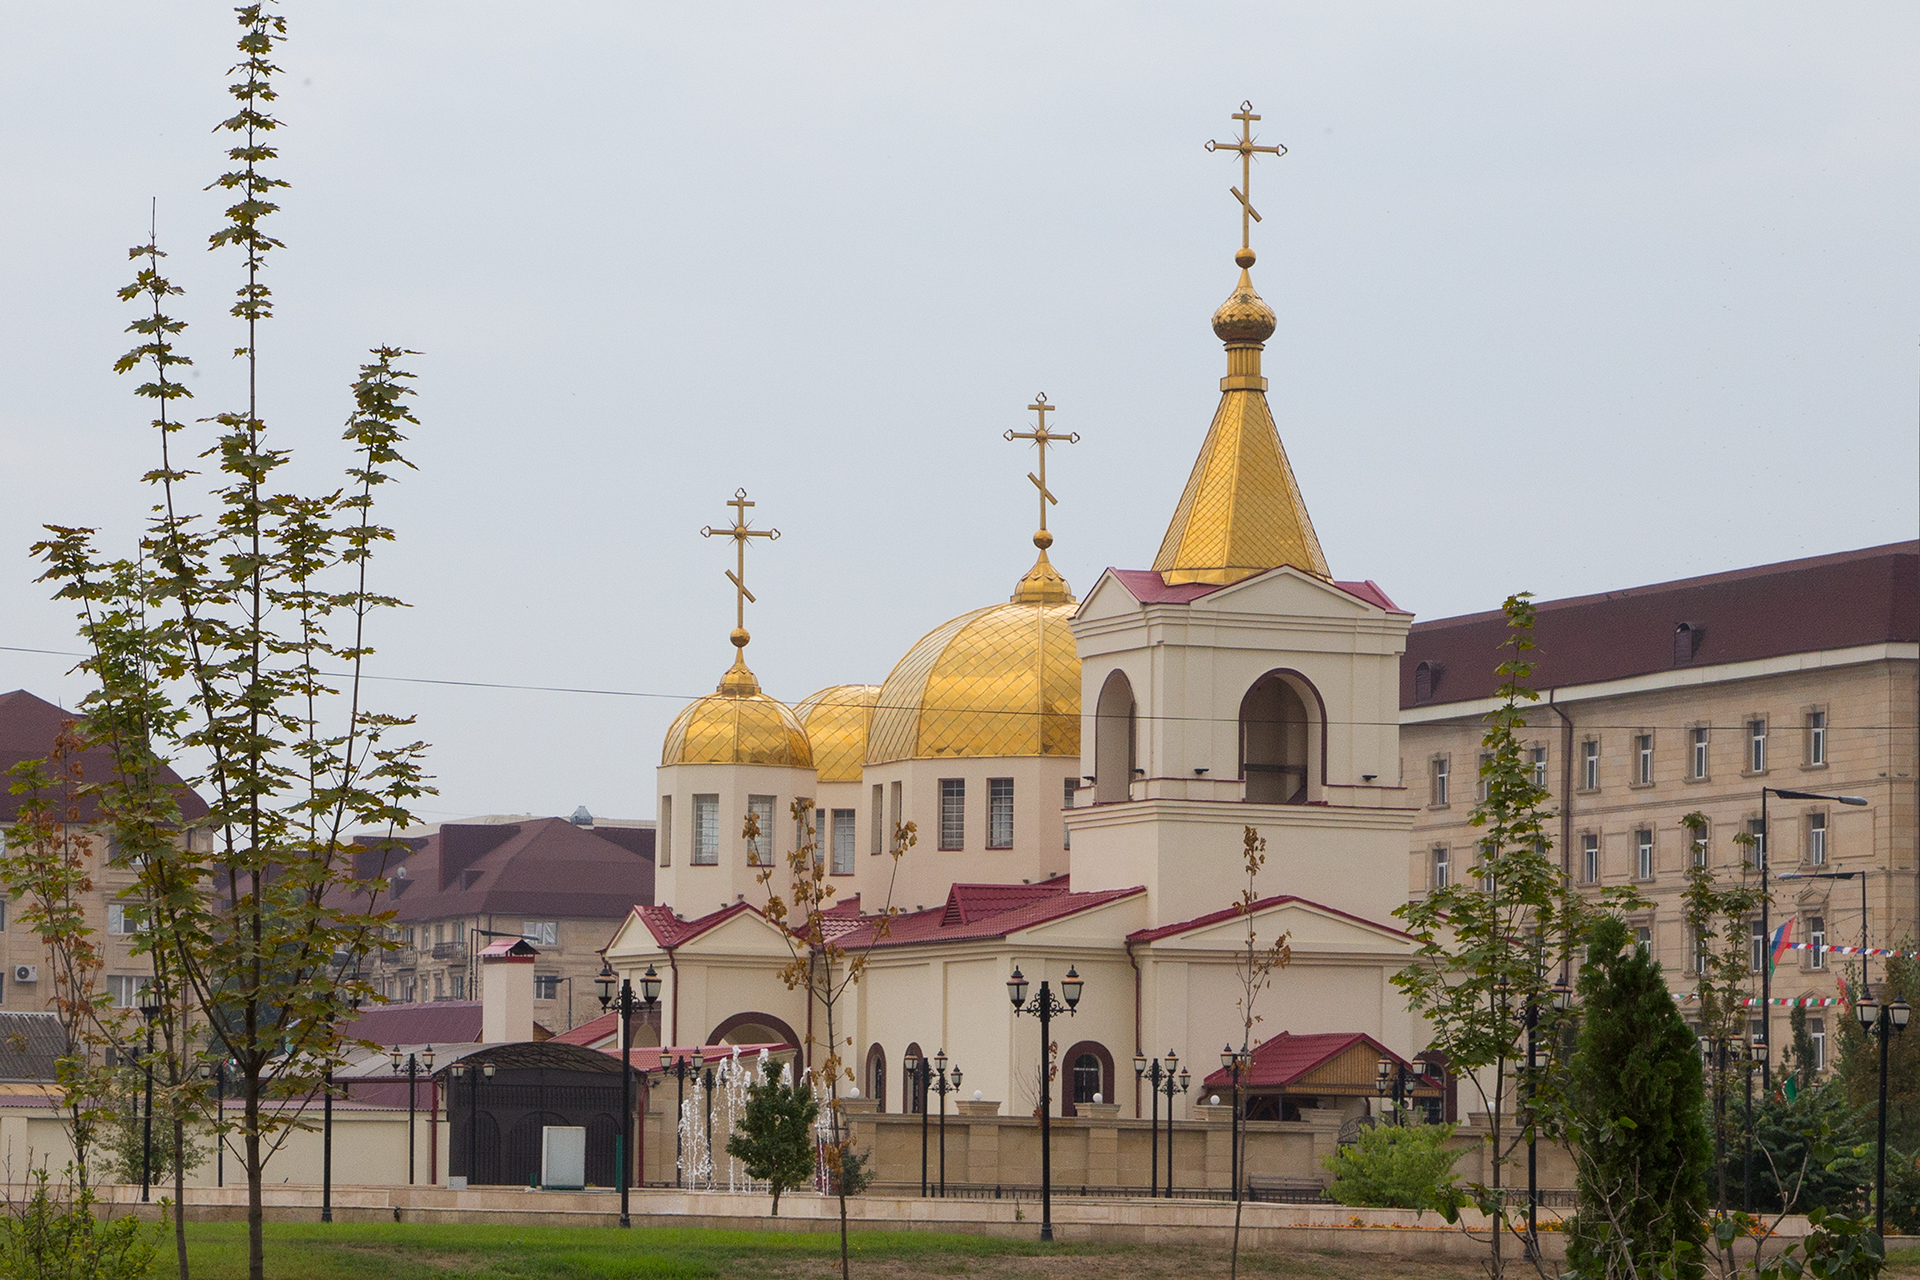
[
  {"x": 1278, "y": 731},
  {"x": 1113, "y": 740}
]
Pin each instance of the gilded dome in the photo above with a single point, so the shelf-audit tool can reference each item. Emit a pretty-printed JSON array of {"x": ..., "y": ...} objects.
[
  {"x": 1244, "y": 316},
  {"x": 737, "y": 725},
  {"x": 836, "y": 722},
  {"x": 1000, "y": 681}
]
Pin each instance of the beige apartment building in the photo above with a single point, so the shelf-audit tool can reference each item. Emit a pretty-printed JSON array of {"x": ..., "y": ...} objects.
[{"x": 1697, "y": 695}]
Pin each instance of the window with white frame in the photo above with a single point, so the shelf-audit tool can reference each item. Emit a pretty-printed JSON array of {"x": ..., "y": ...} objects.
[
  {"x": 1643, "y": 759},
  {"x": 706, "y": 831},
  {"x": 125, "y": 918},
  {"x": 844, "y": 838},
  {"x": 126, "y": 989},
  {"x": 1816, "y": 737},
  {"x": 541, "y": 933},
  {"x": 546, "y": 986},
  {"x": 1698, "y": 842},
  {"x": 1756, "y": 746},
  {"x": 1590, "y": 765},
  {"x": 999, "y": 813},
  {"x": 1480, "y": 779},
  {"x": 1440, "y": 767},
  {"x": 953, "y": 813},
  {"x": 1817, "y": 1032},
  {"x": 1816, "y": 939},
  {"x": 1590, "y": 858},
  {"x": 1489, "y": 880},
  {"x": 1756, "y": 946},
  {"x": 1066, "y": 802},
  {"x": 457, "y": 980},
  {"x": 1697, "y": 950},
  {"x": 1698, "y": 737},
  {"x": 1757, "y": 851},
  {"x": 1440, "y": 880},
  {"x": 1537, "y": 757},
  {"x": 1817, "y": 839},
  {"x": 760, "y": 844},
  {"x": 1643, "y": 937},
  {"x": 1643, "y": 853}
]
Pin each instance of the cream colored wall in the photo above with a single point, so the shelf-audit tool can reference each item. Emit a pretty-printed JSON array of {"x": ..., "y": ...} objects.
[{"x": 694, "y": 890}]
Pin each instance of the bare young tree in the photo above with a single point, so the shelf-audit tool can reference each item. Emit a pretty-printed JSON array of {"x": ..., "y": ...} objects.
[{"x": 1254, "y": 968}]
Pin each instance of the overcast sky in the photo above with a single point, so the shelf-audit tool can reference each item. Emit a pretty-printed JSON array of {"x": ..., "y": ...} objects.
[{"x": 1571, "y": 297}]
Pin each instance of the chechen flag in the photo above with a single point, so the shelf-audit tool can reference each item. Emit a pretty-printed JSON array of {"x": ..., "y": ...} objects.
[{"x": 1782, "y": 940}]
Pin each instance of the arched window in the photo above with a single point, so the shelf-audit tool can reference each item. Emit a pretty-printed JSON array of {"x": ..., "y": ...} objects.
[
  {"x": 1278, "y": 725},
  {"x": 913, "y": 1088},
  {"x": 1089, "y": 1071},
  {"x": 877, "y": 1075},
  {"x": 1113, "y": 740}
]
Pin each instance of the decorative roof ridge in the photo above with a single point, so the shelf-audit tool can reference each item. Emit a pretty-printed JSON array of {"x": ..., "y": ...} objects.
[{"x": 1262, "y": 904}]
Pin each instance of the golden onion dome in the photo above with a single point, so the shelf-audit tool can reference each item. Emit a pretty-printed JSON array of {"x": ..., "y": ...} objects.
[
  {"x": 738, "y": 724},
  {"x": 1245, "y": 316},
  {"x": 836, "y": 722},
  {"x": 1000, "y": 681}
]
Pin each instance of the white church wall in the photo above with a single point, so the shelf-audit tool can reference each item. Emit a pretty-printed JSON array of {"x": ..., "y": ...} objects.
[{"x": 694, "y": 889}]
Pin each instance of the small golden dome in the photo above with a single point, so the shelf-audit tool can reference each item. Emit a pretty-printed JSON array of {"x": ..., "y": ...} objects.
[
  {"x": 737, "y": 725},
  {"x": 1000, "y": 681},
  {"x": 1244, "y": 317},
  {"x": 836, "y": 722}
]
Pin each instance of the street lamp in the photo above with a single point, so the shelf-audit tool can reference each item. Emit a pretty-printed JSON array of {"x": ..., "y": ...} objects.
[
  {"x": 1539, "y": 1058},
  {"x": 680, "y": 1068},
  {"x": 1766, "y": 927},
  {"x": 1150, "y": 1072},
  {"x": 1235, "y": 1061},
  {"x": 1173, "y": 1085},
  {"x": 1045, "y": 1007},
  {"x": 1883, "y": 1021},
  {"x": 326, "y": 1129},
  {"x": 915, "y": 1068},
  {"x": 943, "y": 1082},
  {"x": 623, "y": 1000},
  {"x": 217, "y": 1072},
  {"x": 150, "y": 1010},
  {"x": 411, "y": 1065}
]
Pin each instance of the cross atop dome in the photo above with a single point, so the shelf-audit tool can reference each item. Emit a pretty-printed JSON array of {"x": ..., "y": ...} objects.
[
  {"x": 738, "y": 678},
  {"x": 1243, "y": 193},
  {"x": 1043, "y": 583}
]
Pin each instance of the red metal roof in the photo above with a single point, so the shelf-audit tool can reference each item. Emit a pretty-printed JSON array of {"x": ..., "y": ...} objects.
[
  {"x": 977, "y": 911},
  {"x": 670, "y": 931},
  {"x": 1229, "y": 913},
  {"x": 427, "y": 1022},
  {"x": 1149, "y": 587},
  {"x": 1871, "y": 596},
  {"x": 1282, "y": 1061}
]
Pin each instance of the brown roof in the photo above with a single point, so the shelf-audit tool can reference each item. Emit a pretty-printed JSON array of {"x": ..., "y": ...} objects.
[
  {"x": 543, "y": 867},
  {"x": 428, "y": 1022},
  {"x": 28, "y": 726},
  {"x": 1287, "y": 1059},
  {"x": 1259, "y": 905},
  {"x": 1871, "y": 596}
]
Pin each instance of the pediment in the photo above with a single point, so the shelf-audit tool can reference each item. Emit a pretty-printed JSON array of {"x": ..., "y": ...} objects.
[
  {"x": 1101, "y": 926},
  {"x": 1288, "y": 593},
  {"x": 1310, "y": 928}
]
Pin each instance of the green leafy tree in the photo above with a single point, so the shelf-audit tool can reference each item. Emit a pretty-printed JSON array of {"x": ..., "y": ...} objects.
[
  {"x": 51, "y": 1235},
  {"x": 1636, "y": 1118},
  {"x": 774, "y": 1139},
  {"x": 1858, "y": 1068},
  {"x": 123, "y": 1137},
  {"x": 1391, "y": 1166}
]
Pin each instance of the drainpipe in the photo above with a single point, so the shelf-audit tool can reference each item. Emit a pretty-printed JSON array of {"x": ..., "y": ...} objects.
[
  {"x": 1566, "y": 792},
  {"x": 674, "y": 969},
  {"x": 1135, "y": 964}
]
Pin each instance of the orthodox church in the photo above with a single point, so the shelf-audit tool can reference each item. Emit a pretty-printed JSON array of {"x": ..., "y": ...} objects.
[{"x": 1080, "y": 774}]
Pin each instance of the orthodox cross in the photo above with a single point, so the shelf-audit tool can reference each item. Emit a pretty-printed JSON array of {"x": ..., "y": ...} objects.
[
  {"x": 1042, "y": 437},
  {"x": 740, "y": 533},
  {"x": 1245, "y": 146}
]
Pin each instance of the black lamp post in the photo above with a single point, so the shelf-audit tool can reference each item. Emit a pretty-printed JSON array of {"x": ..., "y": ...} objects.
[
  {"x": 1235, "y": 1061},
  {"x": 1764, "y": 857},
  {"x": 627, "y": 1006},
  {"x": 326, "y": 1133},
  {"x": 1045, "y": 1007},
  {"x": 1161, "y": 1078},
  {"x": 217, "y": 1072},
  {"x": 411, "y": 1065},
  {"x": 680, "y": 1068},
  {"x": 1882, "y": 1021},
  {"x": 943, "y": 1082},
  {"x": 150, "y": 1010},
  {"x": 480, "y": 1071},
  {"x": 1172, "y": 1086},
  {"x": 1755, "y": 1047},
  {"x": 914, "y": 1067}
]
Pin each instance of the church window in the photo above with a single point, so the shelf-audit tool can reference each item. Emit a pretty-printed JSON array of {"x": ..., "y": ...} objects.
[
  {"x": 1274, "y": 737},
  {"x": 1086, "y": 1077},
  {"x": 1113, "y": 740},
  {"x": 1066, "y": 836},
  {"x": 876, "y": 840},
  {"x": 999, "y": 813},
  {"x": 760, "y": 847},
  {"x": 953, "y": 813},
  {"x": 706, "y": 831},
  {"x": 663, "y": 849},
  {"x": 843, "y": 842}
]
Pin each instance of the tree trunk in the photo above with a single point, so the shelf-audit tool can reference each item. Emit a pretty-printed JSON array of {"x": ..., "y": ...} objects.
[
  {"x": 256, "y": 1217},
  {"x": 180, "y": 1191}
]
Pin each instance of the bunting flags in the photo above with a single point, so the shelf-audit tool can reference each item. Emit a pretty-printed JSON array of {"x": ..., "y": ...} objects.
[
  {"x": 1892, "y": 952},
  {"x": 1782, "y": 1002}
]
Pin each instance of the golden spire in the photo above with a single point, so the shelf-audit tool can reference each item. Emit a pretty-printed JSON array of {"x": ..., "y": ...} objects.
[
  {"x": 1043, "y": 583},
  {"x": 738, "y": 679},
  {"x": 1241, "y": 512}
]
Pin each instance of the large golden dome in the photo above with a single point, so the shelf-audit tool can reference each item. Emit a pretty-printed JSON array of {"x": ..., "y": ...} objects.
[
  {"x": 737, "y": 725},
  {"x": 836, "y": 723},
  {"x": 1000, "y": 681}
]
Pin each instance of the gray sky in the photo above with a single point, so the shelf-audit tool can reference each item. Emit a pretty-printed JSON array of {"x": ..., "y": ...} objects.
[{"x": 1570, "y": 297}]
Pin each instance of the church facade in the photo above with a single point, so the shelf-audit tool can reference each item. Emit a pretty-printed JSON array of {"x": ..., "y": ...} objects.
[{"x": 1080, "y": 776}]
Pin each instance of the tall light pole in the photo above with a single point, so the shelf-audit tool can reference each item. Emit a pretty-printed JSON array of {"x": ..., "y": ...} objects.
[
  {"x": 1883, "y": 1021},
  {"x": 679, "y": 1069},
  {"x": 411, "y": 1065},
  {"x": 1045, "y": 1007},
  {"x": 480, "y": 1071},
  {"x": 916, "y": 1068},
  {"x": 217, "y": 1072},
  {"x": 1152, "y": 1073},
  {"x": 943, "y": 1083},
  {"x": 1766, "y": 928},
  {"x": 1172, "y": 1086},
  {"x": 1235, "y": 1061},
  {"x": 150, "y": 1010},
  {"x": 627, "y": 1006}
]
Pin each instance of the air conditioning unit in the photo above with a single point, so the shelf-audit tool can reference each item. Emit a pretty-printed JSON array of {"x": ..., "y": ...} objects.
[{"x": 26, "y": 973}]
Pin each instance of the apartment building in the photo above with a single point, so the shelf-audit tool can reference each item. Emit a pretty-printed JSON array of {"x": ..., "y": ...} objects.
[{"x": 1697, "y": 695}]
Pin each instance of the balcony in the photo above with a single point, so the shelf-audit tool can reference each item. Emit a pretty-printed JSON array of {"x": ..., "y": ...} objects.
[{"x": 449, "y": 951}]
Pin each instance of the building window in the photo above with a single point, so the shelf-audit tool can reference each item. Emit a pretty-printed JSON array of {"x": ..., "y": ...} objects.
[
  {"x": 999, "y": 813},
  {"x": 1757, "y": 946},
  {"x": 1086, "y": 1078},
  {"x": 546, "y": 986},
  {"x": 953, "y": 813},
  {"x": 1440, "y": 880},
  {"x": 1643, "y": 853},
  {"x": 457, "y": 980},
  {"x": 893, "y": 814},
  {"x": 1698, "y": 840},
  {"x": 706, "y": 831},
  {"x": 1817, "y": 1032},
  {"x": 1699, "y": 951},
  {"x": 1816, "y": 737},
  {"x": 127, "y": 989},
  {"x": 1816, "y": 938},
  {"x": 541, "y": 933},
  {"x": 877, "y": 841},
  {"x": 1440, "y": 765},
  {"x": 664, "y": 849},
  {"x": 1489, "y": 882},
  {"x": 1643, "y": 938},
  {"x": 1590, "y": 858},
  {"x": 844, "y": 842},
  {"x": 1590, "y": 765},
  {"x": 1756, "y": 746},
  {"x": 122, "y": 919},
  {"x": 1757, "y": 829},
  {"x": 1538, "y": 757},
  {"x": 1817, "y": 839},
  {"x": 1699, "y": 753},
  {"x": 1643, "y": 759},
  {"x": 1067, "y": 793},
  {"x": 1480, "y": 776},
  {"x": 760, "y": 846}
]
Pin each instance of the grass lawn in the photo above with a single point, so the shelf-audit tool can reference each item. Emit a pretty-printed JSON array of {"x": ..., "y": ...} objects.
[{"x": 407, "y": 1251}]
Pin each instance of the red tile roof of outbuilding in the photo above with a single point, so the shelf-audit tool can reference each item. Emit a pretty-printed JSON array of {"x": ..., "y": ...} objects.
[{"x": 1285, "y": 1059}]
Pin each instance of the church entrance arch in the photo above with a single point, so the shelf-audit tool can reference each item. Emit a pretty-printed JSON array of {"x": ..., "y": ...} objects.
[
  {"x": 1089, "y": 1072},
  {"x": 1113, "y": 740},
  {"x": 753, "y": 1028},
  {"x": 1281, "y": 724},
  {"x": 877, "y": 1076}
]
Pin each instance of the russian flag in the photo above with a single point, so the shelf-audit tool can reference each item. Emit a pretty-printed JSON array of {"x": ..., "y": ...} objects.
[{"x": 1782, "y": 940}]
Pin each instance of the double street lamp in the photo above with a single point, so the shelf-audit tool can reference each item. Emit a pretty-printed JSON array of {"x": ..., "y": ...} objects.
[
  {"x": 1391, "y": 1076},
  {"x": 1235, "y": 1061},
  {"x": 1881, "y": 1020},
  {"x": 1045, "y": 1006},
  {"x": 932, "y": 1076},
  {"x": 150, "y": 1010},
  {"x": 1171, "y": 1079},
  {"x": 217, "y": 1072},
  {"x": 628, "y": 1006},
  {"x": 481, "y": 1069},
  {"x": 680, "y": 1068},
  {"x": 411, "y": 1065}
]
